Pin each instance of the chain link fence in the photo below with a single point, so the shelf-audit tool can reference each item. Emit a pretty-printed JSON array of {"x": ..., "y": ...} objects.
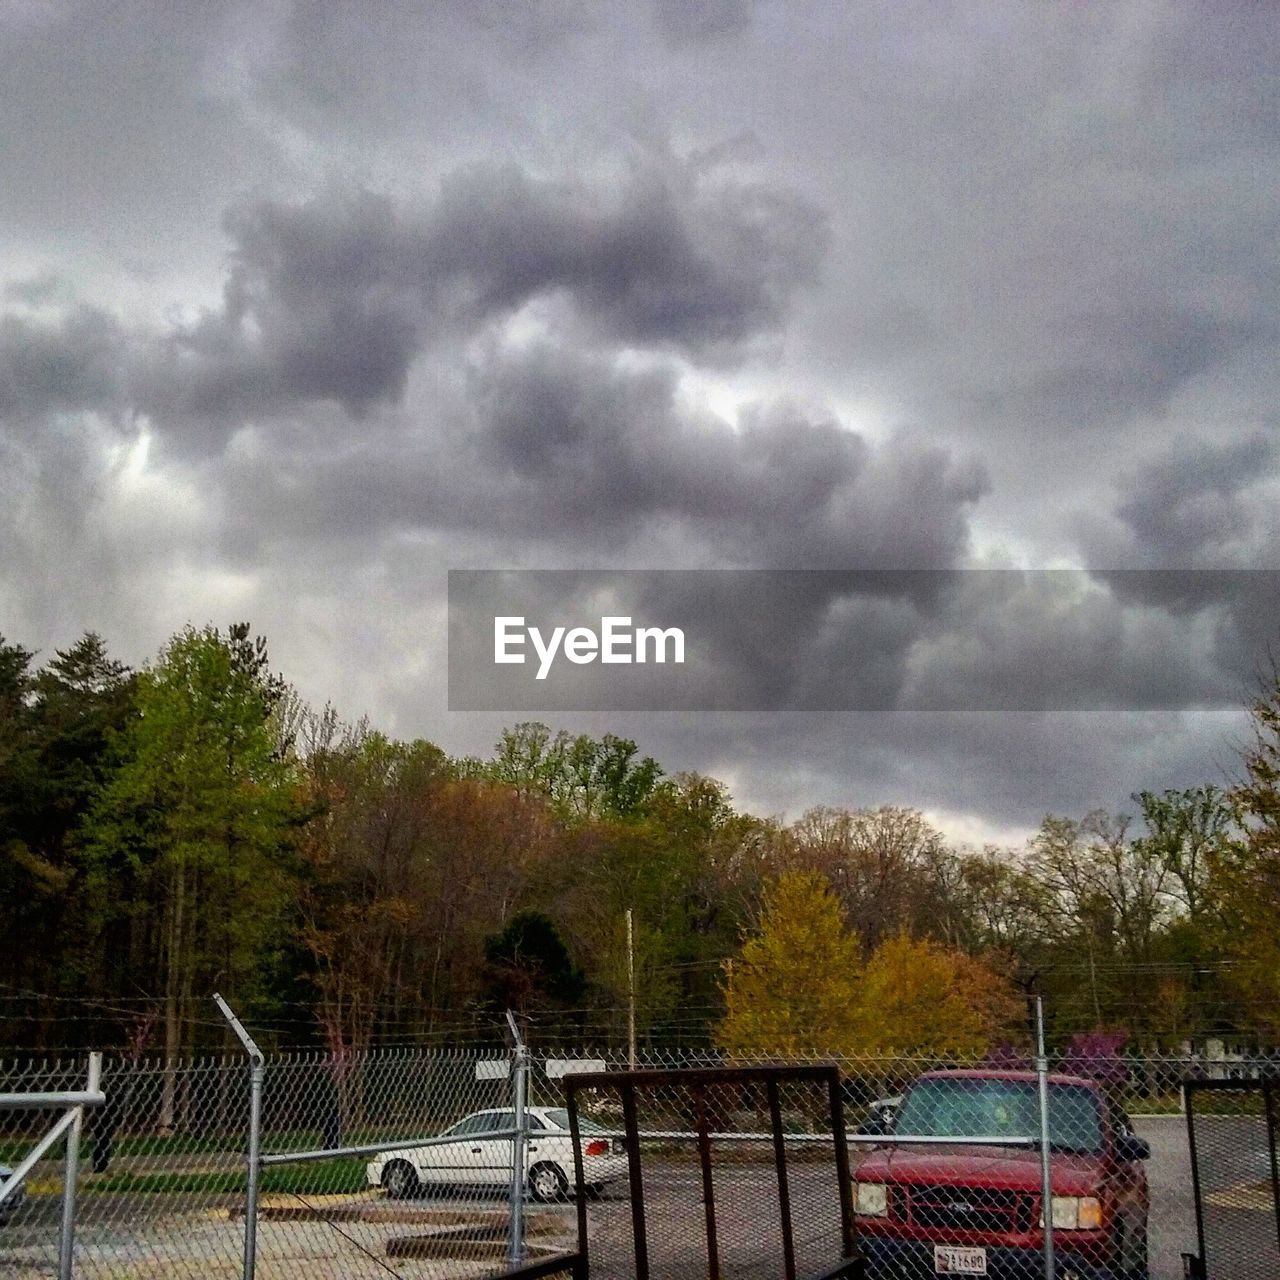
[
  {"x": 400, "y": 1162},
  {"x": 1232, "y": 1127}
]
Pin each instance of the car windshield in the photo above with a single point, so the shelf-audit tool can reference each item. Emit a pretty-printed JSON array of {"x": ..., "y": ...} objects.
[
  {"x": 968, "y": 1108},
  {"x": 558, "y": 1117}
]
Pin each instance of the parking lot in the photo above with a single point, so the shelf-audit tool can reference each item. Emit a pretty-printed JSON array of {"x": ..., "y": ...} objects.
[{"x": 151, "y": 1235}]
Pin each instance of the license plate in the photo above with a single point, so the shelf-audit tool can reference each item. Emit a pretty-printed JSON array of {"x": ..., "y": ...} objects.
[{"x": 948, "y": 1260}]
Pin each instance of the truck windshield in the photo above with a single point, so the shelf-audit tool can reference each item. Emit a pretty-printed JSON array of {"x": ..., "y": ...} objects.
[{"x": 968, "y": 1108}]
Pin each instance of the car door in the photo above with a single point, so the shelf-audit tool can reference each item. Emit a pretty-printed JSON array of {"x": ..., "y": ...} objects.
[
  {"x": 489, "y": 1159},
  {"x": 493, "y": 1155},
  {"x": 458, "y": 1160}
]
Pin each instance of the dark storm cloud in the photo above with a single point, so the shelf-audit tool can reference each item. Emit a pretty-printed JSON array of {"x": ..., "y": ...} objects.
[
  {"x": 1193, "y": 506},
  {"x": 1200, "y": 505},
  {"x": 959, "y": 640},
  {"x": 333, "y": 299},
  {"x": 581, "y": 451},
  {"x": 1045, "y": 240},
  {"x": 589, "y": 444}
]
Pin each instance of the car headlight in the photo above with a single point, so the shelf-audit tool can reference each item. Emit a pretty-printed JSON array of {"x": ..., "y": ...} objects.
[
  {"x": 1076, "y": 1213},
  {"x": 872, "y": 1200}
]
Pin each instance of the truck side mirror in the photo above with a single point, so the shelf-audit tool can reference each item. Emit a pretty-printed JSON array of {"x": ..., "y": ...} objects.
[{"x": 1130, "y": 1147}]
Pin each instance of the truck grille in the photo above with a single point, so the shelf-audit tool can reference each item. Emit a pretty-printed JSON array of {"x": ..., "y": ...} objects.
[{"x": 968, "y": 1208}]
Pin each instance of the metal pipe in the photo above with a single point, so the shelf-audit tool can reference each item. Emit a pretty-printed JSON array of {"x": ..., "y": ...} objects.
[
  {"x": 14, "y": 1180},
  {"x": 519, "y": 1081},
  {"x": 51, "y": 1101},
  {"x": 848, "y": 1223},
  {"x": 1046, "y": 1167},
  {"x": 71, "y": 1174},
  {"x": 784, "y": 1187},
  {"x": 708, "y": 1186},
  {"x": 635, "y": 1179},
  {"x": 253, "y": 1163},
  {"x": 863, "y": 1139},
  {"x": 1268, "y": 1105},
  {"x": 1189, "y": 1106},
  {"x": 375, "y": 1148},
  {"x": 253, "y": 1157},
  {"x": 579, "y": 1184}
]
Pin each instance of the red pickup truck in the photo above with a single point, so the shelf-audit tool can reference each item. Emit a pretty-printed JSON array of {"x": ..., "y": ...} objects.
[{"x": 967, "y": 1209}]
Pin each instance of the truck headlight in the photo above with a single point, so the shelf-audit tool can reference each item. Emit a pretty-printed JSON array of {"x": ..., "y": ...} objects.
[
  {"x": 1076, "y": 1213},
  {"x": 872, "y": 1200}
]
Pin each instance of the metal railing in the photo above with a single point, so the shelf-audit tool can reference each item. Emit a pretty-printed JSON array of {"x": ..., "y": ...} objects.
[{"x": 72, "y": 1103}]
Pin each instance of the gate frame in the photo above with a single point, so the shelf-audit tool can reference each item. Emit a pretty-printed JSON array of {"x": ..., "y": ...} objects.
[
  {"x": 696, "y": 1081},
  {"x": 1268, "y": 1084},
  {"x": 72, "y": 1104}
]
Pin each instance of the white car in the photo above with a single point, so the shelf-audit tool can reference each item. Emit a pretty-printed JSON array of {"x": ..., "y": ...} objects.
[{"x": 472, "y": 1160}]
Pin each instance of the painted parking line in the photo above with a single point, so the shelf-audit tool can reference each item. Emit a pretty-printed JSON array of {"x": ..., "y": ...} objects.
[{"x": 1244, "y": 1195}]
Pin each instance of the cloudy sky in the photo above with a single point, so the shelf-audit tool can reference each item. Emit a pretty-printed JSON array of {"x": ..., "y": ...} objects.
[{"x": 304, "y": 304}]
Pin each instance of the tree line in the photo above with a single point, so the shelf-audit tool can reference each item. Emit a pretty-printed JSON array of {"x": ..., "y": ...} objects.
[{"x": 193, "y": 826}]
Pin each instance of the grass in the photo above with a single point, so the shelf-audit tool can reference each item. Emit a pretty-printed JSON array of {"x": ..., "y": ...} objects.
[
  {"x": 323, "y": 1177},
  {"x": 14, "y": 1149}
]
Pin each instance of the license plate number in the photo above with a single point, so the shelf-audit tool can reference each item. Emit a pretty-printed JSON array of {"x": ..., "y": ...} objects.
[{"x": 948, "y": 1260}]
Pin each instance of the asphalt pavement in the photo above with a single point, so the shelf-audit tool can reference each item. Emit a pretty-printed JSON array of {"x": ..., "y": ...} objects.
[{"x": 184, "y": 1236}]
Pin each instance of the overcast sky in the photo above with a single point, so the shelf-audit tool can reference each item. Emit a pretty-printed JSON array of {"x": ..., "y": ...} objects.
[{"x": 304, "y": 304}]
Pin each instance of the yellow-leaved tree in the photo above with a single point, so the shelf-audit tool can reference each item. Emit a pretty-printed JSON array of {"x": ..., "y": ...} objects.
[
  {"x": 793, "y": 989},
  {"x": 799, "y": 987},
  {"x": 919, "y": 997}
]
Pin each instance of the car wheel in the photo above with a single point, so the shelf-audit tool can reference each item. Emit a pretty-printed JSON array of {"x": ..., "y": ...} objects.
[
  {"x": 547, "y": 1183},
  {"x": 401, "y": 1180}
]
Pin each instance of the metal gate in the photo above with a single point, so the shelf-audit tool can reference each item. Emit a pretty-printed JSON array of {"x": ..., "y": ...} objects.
[{"x": 1231, "y": 1132}]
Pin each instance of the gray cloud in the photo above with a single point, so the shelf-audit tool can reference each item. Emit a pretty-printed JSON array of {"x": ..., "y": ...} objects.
[
  {"x": 490, "y": 269},
  {"x": 52, "y": 367},
  {"x": 681, "y": 21},
  {"x": 333, "y": 299},
  {"x": 581, "y": 452}
]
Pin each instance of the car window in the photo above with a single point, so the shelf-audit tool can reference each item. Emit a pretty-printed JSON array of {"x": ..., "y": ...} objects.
[
  {"x": 478, "y": 1123},
  {"x": 977, "y": 1108},
  {"x": 535, "y": 1122},
  {"x": 559, "y": 1118}
]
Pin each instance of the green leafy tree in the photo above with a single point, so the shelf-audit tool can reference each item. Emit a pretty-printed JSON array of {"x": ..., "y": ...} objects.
[
  {"x": 199, "y": 818},
  {"x": 1246, "y": 875},
  {"x": 67, "y": 715},
  {"x": 528, "y": 967},
  {"x": 583, "y": 777}
]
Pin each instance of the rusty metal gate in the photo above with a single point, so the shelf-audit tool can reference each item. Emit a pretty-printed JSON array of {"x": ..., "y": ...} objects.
[
  {"x": 775, "y": 1201},
  {"x": 1231, "y": 1132}
]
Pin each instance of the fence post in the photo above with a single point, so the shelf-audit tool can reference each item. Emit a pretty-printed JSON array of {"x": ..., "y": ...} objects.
[
  {"x": 519, "y": 1092},
  {"x": 253, "y": 1157},
  {"x": 71, "y": 1174},
  {"x": 1046, "y": 1175}
]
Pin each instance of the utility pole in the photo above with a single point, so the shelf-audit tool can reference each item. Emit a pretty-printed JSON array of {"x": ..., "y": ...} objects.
[{"x": 631, "y": 993}]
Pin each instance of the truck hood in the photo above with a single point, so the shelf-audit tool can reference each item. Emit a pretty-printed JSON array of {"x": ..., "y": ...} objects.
[{"x": 1009, "y": 1168}]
